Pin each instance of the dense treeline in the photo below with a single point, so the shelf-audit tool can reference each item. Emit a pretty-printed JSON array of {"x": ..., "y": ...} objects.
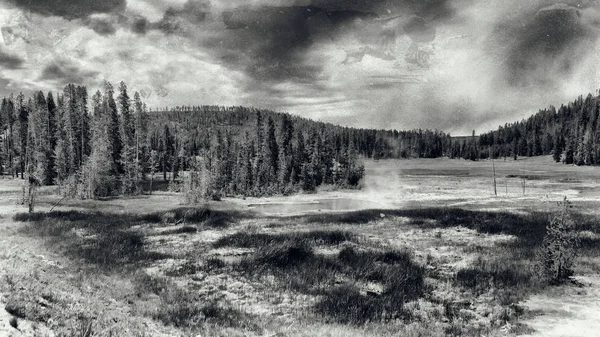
[
  {"x": 571, "y": 134},
  {"x": 377, "y": 144},
  {"x": 239, "y": 151},
  {"x": 260, "y": 152},
  {"x": 60, "y": 141},
  {"x": 105, "y": 145},
  {"x": 108, "y": 143}
]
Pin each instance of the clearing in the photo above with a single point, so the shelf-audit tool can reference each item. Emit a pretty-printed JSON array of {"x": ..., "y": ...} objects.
[{"x": 425, "y": 248}]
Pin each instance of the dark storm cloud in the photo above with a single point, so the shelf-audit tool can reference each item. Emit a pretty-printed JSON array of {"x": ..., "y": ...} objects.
[
  {"x": 65, "y": 72},
  {"x": 268, "y": 43},
  {"x": 140, "y": 25},
  {"x": 70, "y": 9},
  {"x": 101, "y": 26},
  {"x": 271, "y": 43},
  {"x": 546, "y": 44},
  {"x": 176, "y": 20},
  {"x": 9, "y": 61}
]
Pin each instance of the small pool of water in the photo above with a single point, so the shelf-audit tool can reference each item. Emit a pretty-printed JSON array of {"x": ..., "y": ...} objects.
[{"x": 322, "y": 205}]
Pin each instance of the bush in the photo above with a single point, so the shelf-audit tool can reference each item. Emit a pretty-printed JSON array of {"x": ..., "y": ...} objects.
[{"x": 355, "y": 174}]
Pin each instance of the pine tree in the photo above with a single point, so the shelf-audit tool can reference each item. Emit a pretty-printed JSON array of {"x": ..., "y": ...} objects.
[
  {"x": 557, "y": 151},
  {"x": 569, "y": 151},
  {"x": 557, "y": 253},
  {"x": 115, "y": 144},
  {"x": 300, "y": 158},
  {"x": 286, "y": 152},
  {"x": 40, "y": 128},
  {"x": 23, "y": 118},
  {"x": 52, "y": 139},
  {"x": 71, "y": 130},
  {"x": 3, "y": 135},
  {"x": 127, "y": 135},
  {"x": 61, "y": 152},
  {"x": 273, "y": 147},
  {"x": 141, "y": 137}
]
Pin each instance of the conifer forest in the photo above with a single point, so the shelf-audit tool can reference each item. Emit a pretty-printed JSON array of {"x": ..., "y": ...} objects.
[{"x": 112, "y": 144}]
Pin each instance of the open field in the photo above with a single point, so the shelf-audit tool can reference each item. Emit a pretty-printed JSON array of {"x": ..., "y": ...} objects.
[{"x": 425, "y": 248}]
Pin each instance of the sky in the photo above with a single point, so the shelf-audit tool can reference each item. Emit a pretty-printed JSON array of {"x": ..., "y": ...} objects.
[{"x": 452, "y": 65}]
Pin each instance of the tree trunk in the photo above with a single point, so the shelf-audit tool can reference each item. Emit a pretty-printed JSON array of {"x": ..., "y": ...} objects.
[{"x": 31, "y": 197}]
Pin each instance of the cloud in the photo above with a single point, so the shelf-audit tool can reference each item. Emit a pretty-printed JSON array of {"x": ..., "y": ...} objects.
[
  {"x": 176, "y": 20},
  {"x": 71, "y": 9},
  {"x": 64, "y": 72},
  {"x": 102, "y": 25},
  {"x": 549, "y": 44},
  {"x": 453, "y": 65},
  {"x": 139, "y": 25},
  {"x": 10, "y": 61}
]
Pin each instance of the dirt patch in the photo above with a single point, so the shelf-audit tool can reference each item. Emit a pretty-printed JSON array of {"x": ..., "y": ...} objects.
[{"x": 571, "y": 310}]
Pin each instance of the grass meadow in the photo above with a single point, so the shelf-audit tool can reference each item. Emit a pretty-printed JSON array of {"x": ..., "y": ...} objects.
[{"x": 427, "y": 266}]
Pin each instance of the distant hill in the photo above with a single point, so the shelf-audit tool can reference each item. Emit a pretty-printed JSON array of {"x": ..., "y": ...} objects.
[
  {"x": 200, "y": 121},
  {"x": 571, "y": 134}
]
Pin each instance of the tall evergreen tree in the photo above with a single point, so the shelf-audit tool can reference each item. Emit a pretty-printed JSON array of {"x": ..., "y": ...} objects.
[
  {"x": 115, "y": 144},
  {"x": 52, "y": 139}
]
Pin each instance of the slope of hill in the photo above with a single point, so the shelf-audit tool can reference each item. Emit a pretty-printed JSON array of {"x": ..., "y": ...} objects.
[{"x": 570, "y": 133}]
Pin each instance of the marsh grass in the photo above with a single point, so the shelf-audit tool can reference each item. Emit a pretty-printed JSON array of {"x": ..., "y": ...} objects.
[
  {"x": 528, "y": 227},
  {"x": 513, "y": 279},
  {"x": 180, "y": 230},
  {"x": 353, "y": 283},
  {"x": 256, "y": 240},
  {"x": 182, "y": 308},
  {"x": 104, "y": 240},
  {"x": 292, "y": 260}
]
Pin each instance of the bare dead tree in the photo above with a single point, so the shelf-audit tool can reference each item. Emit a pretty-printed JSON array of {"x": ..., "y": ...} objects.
[{"x": 33, "y": 184}]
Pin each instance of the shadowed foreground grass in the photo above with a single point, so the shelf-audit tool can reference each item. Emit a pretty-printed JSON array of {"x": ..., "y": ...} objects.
[
  {"x": 337, "y": 278},
  {"x": 110, "y": 240},
  {"x": 104, "y": 240},
  {"x": 355, "y": 283}
]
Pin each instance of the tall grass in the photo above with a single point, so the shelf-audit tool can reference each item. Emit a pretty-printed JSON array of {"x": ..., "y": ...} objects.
[
  {"x": 292, "y": 260},
  {"x": 255, "y": 240},
  {"x": 105, "y": 240}
]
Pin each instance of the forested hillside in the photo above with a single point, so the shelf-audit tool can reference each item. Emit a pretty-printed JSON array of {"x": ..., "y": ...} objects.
[
  {"x": 570, "y": 133},
  {"x": 107, "y": 145}
]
